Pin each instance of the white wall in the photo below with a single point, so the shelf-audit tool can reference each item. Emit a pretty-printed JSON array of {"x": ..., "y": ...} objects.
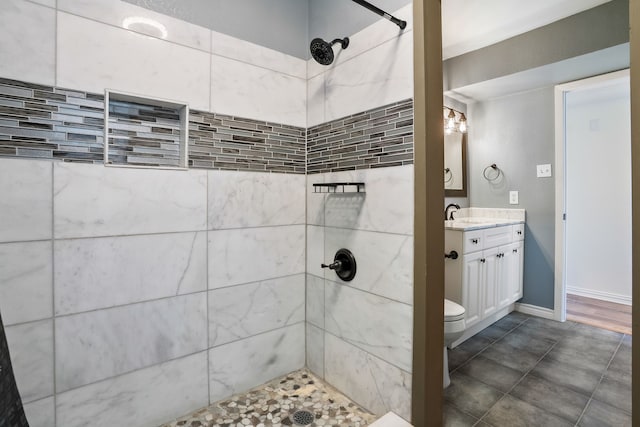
[{"x": 598, "y": 192}]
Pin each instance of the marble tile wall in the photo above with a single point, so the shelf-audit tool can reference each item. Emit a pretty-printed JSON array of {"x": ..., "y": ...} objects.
[
  {"x": 113, "y": 261},
  {"x": 77, "y": 44},
  {"x": 359, "y": 333},
  {"x": 120, "y": 296}
]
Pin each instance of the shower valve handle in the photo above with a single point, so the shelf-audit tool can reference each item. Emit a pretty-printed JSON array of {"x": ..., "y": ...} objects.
[
  {"x": 344, "y": 264},
  {"x": 336, "y": 265}
]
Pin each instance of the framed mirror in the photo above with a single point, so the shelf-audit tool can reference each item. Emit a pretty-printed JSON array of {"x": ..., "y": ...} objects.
[{"x": 455, "y": 164}]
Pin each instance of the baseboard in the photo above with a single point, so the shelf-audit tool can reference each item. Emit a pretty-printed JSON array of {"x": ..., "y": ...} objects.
[
  {"x": 605, "y": 296},
  {"x": 534, "y": 310}
]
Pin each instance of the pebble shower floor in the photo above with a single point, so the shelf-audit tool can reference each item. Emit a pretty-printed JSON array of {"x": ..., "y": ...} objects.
[{"x": 273, "y": 405}]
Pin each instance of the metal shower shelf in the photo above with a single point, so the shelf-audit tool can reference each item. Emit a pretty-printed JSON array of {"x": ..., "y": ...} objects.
[{"x": 339, "y": 187}]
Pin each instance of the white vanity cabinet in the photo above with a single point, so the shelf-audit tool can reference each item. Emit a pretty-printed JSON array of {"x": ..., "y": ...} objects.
[{"x": 486, "y": 278}]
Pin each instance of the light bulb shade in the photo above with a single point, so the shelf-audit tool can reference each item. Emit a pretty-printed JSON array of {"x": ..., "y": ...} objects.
[
  {"x": 462, "y": 126},
  {"x": 451, "y": 120}
]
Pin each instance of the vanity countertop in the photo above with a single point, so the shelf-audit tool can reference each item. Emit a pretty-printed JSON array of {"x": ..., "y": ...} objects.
[{"x": 478, "y": 223}]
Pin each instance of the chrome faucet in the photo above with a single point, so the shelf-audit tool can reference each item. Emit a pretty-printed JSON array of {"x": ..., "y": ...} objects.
[{"x": 448, "y": 215}]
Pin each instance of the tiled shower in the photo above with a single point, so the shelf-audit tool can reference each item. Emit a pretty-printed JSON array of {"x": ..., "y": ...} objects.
[{"x": 131, "y": 296}]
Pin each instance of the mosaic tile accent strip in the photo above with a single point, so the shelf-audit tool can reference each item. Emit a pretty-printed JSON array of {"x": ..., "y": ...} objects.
[
  {"x": 381, "y": 137},
  {"x": 274, "y": 403},
  {"x": 223, "y": 142},
  {"x": 52, "y": 123},
  {"x": 143, "y": 134}
]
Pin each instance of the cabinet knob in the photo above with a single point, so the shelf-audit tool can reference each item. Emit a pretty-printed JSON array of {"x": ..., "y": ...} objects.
[
  {"x": 519, "y": 232},
  {"x": 515, "y": 251},
  {"x": 474, "y": 241},
  {"x": 482, "y": 260}
]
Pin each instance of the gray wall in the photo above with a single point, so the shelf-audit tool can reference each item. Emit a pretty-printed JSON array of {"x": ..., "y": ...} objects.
[
  {"x": 589, "y": 31},
  {"x": 517, "y": 133},
  {"x": 283, "y": 25}
]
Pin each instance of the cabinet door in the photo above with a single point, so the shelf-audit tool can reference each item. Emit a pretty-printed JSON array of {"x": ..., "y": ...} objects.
[
  {"x": 510, "y": 273},
  {"x": 492, "y": 278},
  {"x": 472, "y": 283},
  {"x": 515, "y": 260}
]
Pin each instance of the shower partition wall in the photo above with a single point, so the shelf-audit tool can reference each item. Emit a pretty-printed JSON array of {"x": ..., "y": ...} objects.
[{"x": 133, "y": 296}]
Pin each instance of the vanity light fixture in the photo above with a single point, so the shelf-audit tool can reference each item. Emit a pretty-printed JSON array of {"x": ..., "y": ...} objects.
[
  {"x": 148, "y": 26},
  {"x": 462, "y": 125},
  {"x": 454, "y": 121}
]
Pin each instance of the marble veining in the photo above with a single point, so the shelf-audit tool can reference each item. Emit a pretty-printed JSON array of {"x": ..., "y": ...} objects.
[
  {"x": 242, "y": 89},
  {"x": 270, "y": 252},
  {"x": 29, "y": 34},
  {"x": 375, "y": 324},
  {"x": 251, "y": 199},
  {"x": 387, "y": 206},
  {"x": 110, "y": 271},
  {"x": 385, "y": 261},
  {"x": 95, "y": 201},
  {"x": 315, "y": 300},
  {"x": 245, "y": 310},
  {"x": 40, "y": 413},
  {"x": 244, "y": 364},
  {"x": 377, "y": 77},
  {"x": 368, "y": 380},
  {"x": 101, "y": 344},
  {"x": 31, "y": 347},
  {"x": 25, "y": 281},
  {"x": 162, "y": 69},
  {"x": 144, "y": 398},
  {"x": 25, "y": 200},
  {"x": 315, "y": 350}
]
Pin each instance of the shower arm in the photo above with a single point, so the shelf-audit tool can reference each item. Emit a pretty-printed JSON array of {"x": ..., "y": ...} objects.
[{"x": 374, "y": 9}]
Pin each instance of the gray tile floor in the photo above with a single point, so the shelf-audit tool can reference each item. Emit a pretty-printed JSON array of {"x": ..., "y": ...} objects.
[{"x": 528, "y": 371}]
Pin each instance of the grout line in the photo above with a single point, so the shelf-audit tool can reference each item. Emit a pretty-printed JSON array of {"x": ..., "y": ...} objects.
[
  {"x": 591, "y": 398},
  {"x": 290, "y": 325},
  {"x": 346, "y": 285},
  {"x": 53, "y": 295},
  {"x": 208, "y": 298},
  {"x": 153, "y": 300},
  {"x": 155, "y": 365}
]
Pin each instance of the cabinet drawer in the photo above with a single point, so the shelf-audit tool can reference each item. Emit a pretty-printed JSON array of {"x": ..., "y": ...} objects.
[
  {"x": 518, "y": 232},
  {"x": 497, "y": 236},
  {"x": 472, "y": 241}
]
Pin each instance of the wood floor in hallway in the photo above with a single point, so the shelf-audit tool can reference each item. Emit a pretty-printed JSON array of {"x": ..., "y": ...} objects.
[{"x": 602, "y": 314}]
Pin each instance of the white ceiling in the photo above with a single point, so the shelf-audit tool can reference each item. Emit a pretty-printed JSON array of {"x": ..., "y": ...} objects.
[{"x": 468, "y": 25}]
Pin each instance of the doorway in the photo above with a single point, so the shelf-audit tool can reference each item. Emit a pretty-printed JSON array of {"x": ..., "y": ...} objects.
[{"x": 593, "y": 202}]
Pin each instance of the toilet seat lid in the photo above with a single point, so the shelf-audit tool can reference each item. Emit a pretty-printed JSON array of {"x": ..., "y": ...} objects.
[{"x": 452, "y": 311}]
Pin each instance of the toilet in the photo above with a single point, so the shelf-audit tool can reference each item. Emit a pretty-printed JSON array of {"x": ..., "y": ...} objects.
[{"x": 453, "y": 329}]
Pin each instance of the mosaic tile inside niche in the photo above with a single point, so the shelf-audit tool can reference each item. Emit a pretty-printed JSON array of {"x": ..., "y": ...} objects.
[
  {"x": 380, "y": 137},
  {"x": 272, "y": 404},
  {"x": 143, "y": 135},
  {"x": 52, "y": 123},
  {"x": 224, "y": 142}
]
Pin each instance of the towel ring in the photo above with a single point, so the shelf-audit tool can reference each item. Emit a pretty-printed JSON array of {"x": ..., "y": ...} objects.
[
  {"x": 495, "y": 168},
  {"x": 447, "y": 171}
]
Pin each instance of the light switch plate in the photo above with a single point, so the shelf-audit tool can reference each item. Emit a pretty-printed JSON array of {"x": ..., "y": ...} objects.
[
  {"x": 544, "y": 171},
  {"x": 513, "y": 197}
]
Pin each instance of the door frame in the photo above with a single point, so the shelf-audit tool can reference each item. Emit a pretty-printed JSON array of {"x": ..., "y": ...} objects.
[{"x": 560, "y": 92}]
